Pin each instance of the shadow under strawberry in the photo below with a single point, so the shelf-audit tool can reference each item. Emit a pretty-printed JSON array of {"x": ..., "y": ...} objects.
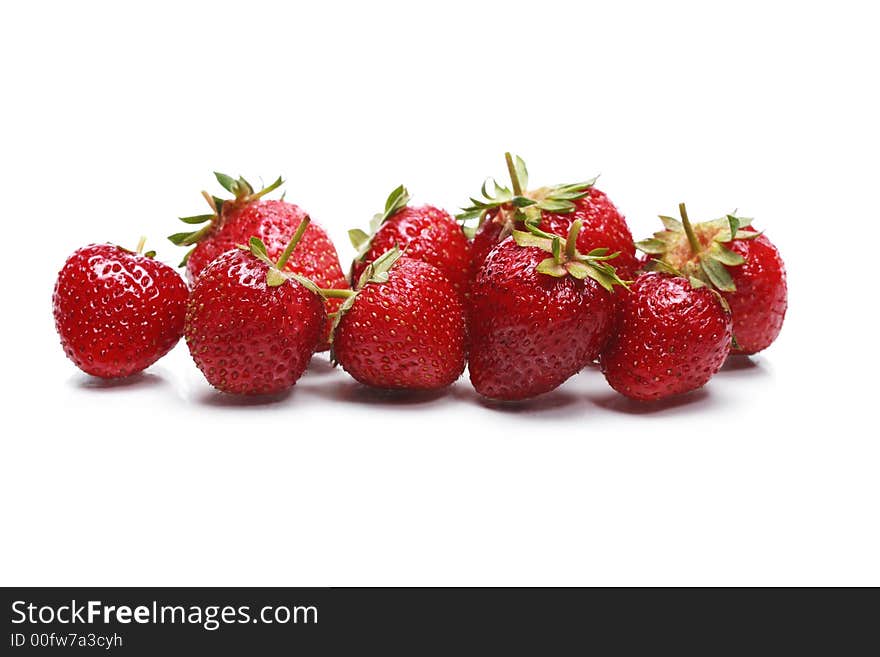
[
  {"x": 670, "y": 405},
  {"x": 743, "y": 364},
  {"x": 353, "y": 392},
  {"x": 558, "y": 402},
  {"x": 218, "y": 399},
  {"x": 137, "y": 381}
]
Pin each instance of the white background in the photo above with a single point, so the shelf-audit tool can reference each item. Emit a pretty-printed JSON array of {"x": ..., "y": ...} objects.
[{"x": 113, "y": 117}]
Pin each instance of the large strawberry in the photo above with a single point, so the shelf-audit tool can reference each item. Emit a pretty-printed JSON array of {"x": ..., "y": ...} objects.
[
  {"x": 540, "y": 312},
  {"x": 252, "y": 326},
  {"x": 729, "y": 256},
  {"x": 402, "y": 328},
  {"x": 423, "y": 233},
  {"x": 672, "y": 335},
  {"x": 117, "y": 311},
  {"x": 247, "y": 215},
  {"x": 553, "y": 209}
]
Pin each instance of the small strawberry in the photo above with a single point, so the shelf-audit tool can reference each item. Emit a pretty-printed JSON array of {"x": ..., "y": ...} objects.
[
  {"x": 251, "y": 325},
  {"x": 424, "y": 233},
  {"x": 552, "y": 209},
  {"x": 670, "y": 338},
  {"x": 117, "y": 311},
  {"x": 536, "y": 320},
  {"x": 729, "y": 256},
  {"x": 403, "y": 327},
  {"x": 236, "y": 220}
]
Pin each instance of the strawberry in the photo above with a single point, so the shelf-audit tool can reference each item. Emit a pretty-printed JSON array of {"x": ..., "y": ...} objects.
[
  {"x": 536, "y": 320},
  {"x": 117, "y": 311},
  {"x": 251, "y": 325},
  {"x": 670, "y": 338},
  {"x": 552, "y": 209},
  {"x": 248, "y": 215},
  {"x": 424, "y": 233},
  {"x": 732, "y": 258},
  {"x": 403, "y": 327}
]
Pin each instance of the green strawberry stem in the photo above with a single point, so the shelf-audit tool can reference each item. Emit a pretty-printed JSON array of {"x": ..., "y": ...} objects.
[
  {"x": 254, "y": 196},
  {"x": 337, "y": 293},
  {"x": 141, "y": 242},
  {"x": 297, "y": 236},
  {"x": 514, "y": 178},
  {"x": 243, "y": 193},
  {"x": 688, "y": 229},
  {"x": 535, "y": 230},
  {"x": 571, "y": 240},
  {"x": 211, "y": 202}
]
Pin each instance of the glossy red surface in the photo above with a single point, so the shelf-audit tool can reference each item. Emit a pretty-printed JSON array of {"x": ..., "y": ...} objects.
[
  {"x": 407, "y": 333},
  {"x": 669, "y": 338},
  {"x": 761, "y": 296},
  {"x": 246, "y": 337},
  {"x": 529, "y": 332},
  {"x": 603, "y": 226},
  {"x": 425, "y": 233},
  {"x": 117, "y": 312},
  {"x": 275, "y": 222}
]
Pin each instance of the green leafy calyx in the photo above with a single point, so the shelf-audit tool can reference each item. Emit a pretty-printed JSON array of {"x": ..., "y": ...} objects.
[
  {"x": 697, "y": 283},
  {"x": 375, "y": 272},
  {"x": 516, "y": 204},
  {"x": 565, "y": 259},
  {"x": 360, "y": 240},
  {"x": 276, "y": 274},
  {"x": 243, "y": 193},
  {"x": 698, "y": 251}
]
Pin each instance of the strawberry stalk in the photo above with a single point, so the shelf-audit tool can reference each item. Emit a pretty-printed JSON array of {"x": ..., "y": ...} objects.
[
  {"x": 333, "y": 293},
  {"x": 276, "y": 275},
  {"x": 514, "y": 176},
  {"x": 571, "y": 239},
  {"x": 566, "y": 260},
  {"x": 243, "y": 193},
  {"x": 211, "y": 202},
  {"x": 689, "y": 230},
  {"x": 524, "y": 205},
  {"x": 139, "y": 250},
  {"x": 703, "y": 259},
  {"x": 297, "y": 236}
]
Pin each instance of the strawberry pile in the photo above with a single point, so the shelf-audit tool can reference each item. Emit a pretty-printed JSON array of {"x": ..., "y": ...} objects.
[{"x": 525, "y": 288}]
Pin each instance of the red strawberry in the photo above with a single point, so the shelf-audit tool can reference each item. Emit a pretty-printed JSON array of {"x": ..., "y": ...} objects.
[
  {"x": 424, "y": 233},
  {"x": 117, "y": 311},
  {"x": 741, "y": 264},
  {"x": 493, "y": 228},
  {"x": 403, "y": 327},
  {"x": 252, "y": 327},
  {"x": 537, "y": 320},
  {"x": 248, "y": 215},
  {"x": 553, "y": 210},
  {"x": 671, "y": 337},
  {"x": 761, "y": 298}
]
